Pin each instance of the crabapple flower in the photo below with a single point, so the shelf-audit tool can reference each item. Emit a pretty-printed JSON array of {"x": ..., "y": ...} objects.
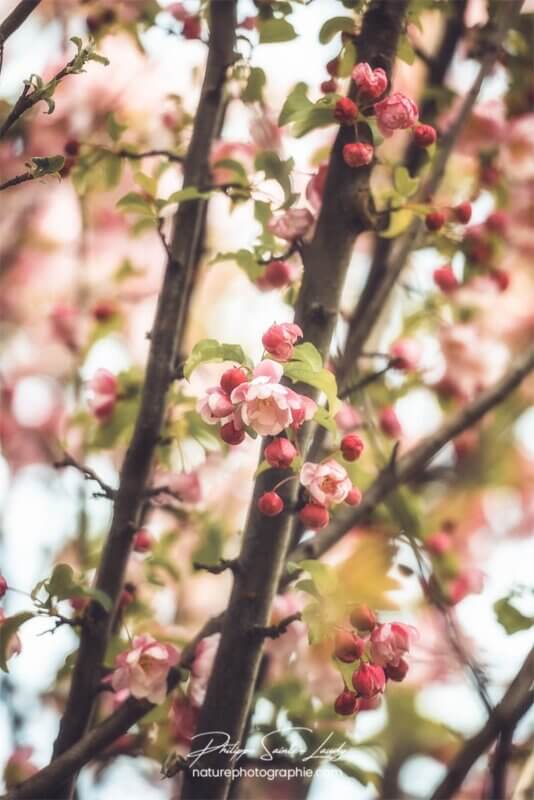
[
  {"x": 314, "y": 516},
  {"x": 369, "y": 680},
  {"x": 390, "y": 642},
  {"x": 64, "y": 320},
  {"x": 395, "y": 112},
  {"x": 406, "y": 354},
  {"x": 358, "y": 154},
  {"x": 3, "y": 586},
  {"x": 371, "y": 83},
  {"x": 267, "y": 406},
  {"x": 293, "y": 224},
  {"x": 144, "y": 668},
  {"x": 104, "y": 388},
  {"x": 278, "y": 340},
  {"x": 280, "y": 453},
  {"x": 327, "y": 483},
  {"x": 345, "y": 703},
  {"x": 215, "y": 405}
]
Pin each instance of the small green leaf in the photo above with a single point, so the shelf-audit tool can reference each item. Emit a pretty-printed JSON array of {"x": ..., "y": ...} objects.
[
  {"x": 308, "y": 354},
  {"x": 8, "y": 628},
  {"x": 510, "y": 618},
  {"x": 60, "y": 582},
  {"x": 398, "y": 222},
  {"x": 323, "y": 576},
  {"x": 189, "y": 193},
  {"x": 245, "y": 259},
  {"x": 253, "y": 91},
  {"x": 46, "y": 165},
  {"x": 323, "y": 380},
  {"x": 404, "y": 183},
  {"x": 212, "y": 350},
  {"x": 239, "y": 172},
  {"x": 99, "y": 596},
  {"x": 133, "y": 203},
  {"x": 114, "y": 128},
  {"x": 333, "y": 26},
  {"x": 148, "y": 183},
  {"x": 347, "y": 60},
  {"x": 276, "y": 30},
  {"x": 296, "y": 102},
  {"x": 275, "y": 169},
  {"x": 323, "y": 418},
  {"x": 405, "y": 50}
]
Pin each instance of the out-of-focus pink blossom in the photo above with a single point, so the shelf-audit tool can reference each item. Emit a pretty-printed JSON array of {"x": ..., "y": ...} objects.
[
  {"x": 64, "y": 320},
  {"x": 278, "y": 340},
  {"x": 205, "y": 653},
  {"x": 348, "y": 418},
  {"x": 104, "y": 388},
  {"x": 144, "y": 668},
  {"x": 407, "y": 354},
  {"x": 389, "y": 423},
  {"x": 390, "y": 642},
  {"x": 265, "y": 132},
  {"x": 369, "y": 680},
  {"x": 291, "y": 225},
  {"x": 183, "y": 719},
  {"x": 517, "y": 155},
  {"x": 234, "y": 151},
  {"x": 395, "y": 112},
  {"x": 470, "y": 581},
  {"x": 266, "y": 405},
  {"x": 328, "y": 483},
  {"x": 185, "y": 485},
  {"x": 473, "y": 361}
]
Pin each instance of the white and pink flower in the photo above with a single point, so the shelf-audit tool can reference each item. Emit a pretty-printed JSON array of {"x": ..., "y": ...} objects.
[
  {"x": 293, "y": 224},
  {"x": 327, "y": 483},
  {"x": 394, "y": 112},
  {"x": 215, "y": 405},
  {"x": 267, "y": 406},
  {"x": 143, "y": 669},
  {"x": 390, "y": 642},
  {"x": 104, "y": 388}
]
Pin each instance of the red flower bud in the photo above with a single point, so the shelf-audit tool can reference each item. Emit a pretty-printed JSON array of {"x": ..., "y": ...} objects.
[
  {"x": 462, "y": 213},
  {"x": 501, "y": 278},
  {"x": 435, "y": 220},
  {"x": 127, "y": 595},
  {"x": 104, "y": 310},
  {"x": 332, "y": 67},
  {"x": 445, "y": 279},
  {"x": 232, "y": 378},
  {"x": 314, "y": 516},
  {"x": 72, "y": 147},
  {"x": 354, "y": 497},
  {"x": 79, "y": 603},
  {"x": 142, "y": 541},
  {"x": 277, "y": 274},
  {"x": 368, "y": 703},
  {"x": 345, "y": 703},
  {"x": 362, "y": 618},
  {"x": 327, "y": 87},
  {"x": 270, "y": 504},
  {"x": 397, "y": 672},
  {"x": 191, "y": 28},
  {"x": 368, "y": 680},
  {"x": 3, "y": 586},
  {"x": 358, "y": 154},
  {"x": 351, "y": 447},
  {"x": 424, "y": 135},
  {"x": 348, "y": 647},
  {"x": 489, "y": 175},
  {"x": 280, "y": 453},
  {"x": 389, "y": 423},
  {"x": 230, "y": 434},
  {"x": 438, "y": 543},
  {"x": 345, "y": 111}
]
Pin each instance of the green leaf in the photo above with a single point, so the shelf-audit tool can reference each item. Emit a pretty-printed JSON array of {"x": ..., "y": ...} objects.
[
  {"x": 325, "y": 419},
  {"x": 323, "y": 576},
  {"x": 404, "y": 183},
  {"x": 510, "y": 618},
  {"x": 347, "y": 60},
  {"x": 308, "y": 354},
  {"x": 253, "y": 91},
  {"x": 212, "y": 350},
  {"x": 60, "y": 582},
  {"x": 276, "y": 30},
  {"x": 8, "y": 628},
  {"x": 46, "y": 165},
  {"x": 184, "y": 195},
  {"x": 296, "y": 102},
  {"x": 239, "y": 172},
  {"x": 333, "y": 26},
  {"x": 275, "y": 169},
  {"x": 405, "y": 50},
  {"x": 323, "y": 380},
  {"x": 398, "y": 222},
  {"x": 133, "y": 203},
  {"x": 245, "y": 259},
  {"x": 148, "y": 183},
  {"x": 99, "y": 596},
  {"x": 114, "y": 128},
  {"x": 320, "y": 115}
]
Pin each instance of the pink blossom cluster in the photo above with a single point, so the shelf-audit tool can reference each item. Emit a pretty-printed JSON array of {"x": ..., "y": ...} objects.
[
  {"x": 378, "y": 652},
  {"x": 143, "y": 668}
]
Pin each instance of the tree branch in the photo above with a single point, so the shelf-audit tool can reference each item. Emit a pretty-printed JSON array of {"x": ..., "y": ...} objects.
[
  {"x": 167, "y": 334},
  {"x": 15, "y": 19},
  {"x": 18, "y": 179},
  {"x": 345, "y": 213},
  {"x": 516, "y": 702},
  {"x": 88, "y": 473}
]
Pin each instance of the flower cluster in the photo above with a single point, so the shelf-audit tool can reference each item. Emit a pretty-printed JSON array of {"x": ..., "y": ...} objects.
[
  {"x": 143, "y": 669},
  {"x": 378, "y": 653}
]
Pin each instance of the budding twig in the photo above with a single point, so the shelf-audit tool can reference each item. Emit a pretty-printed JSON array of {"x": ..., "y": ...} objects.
[
  {"x": 275, "y": 631},
  {"x": 89, "y": 474}
]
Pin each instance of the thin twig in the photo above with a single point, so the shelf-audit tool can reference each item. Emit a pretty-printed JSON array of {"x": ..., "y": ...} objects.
[
  {"x": 133, "y": 156},
  {"x": 275, "y": 631},
  {"x": 89, "y": 474},
  {"x": 216, "y": 569},
  {"x": 18, "y": 179}
]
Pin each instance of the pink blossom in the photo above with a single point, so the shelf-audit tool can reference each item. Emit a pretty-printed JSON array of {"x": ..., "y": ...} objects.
[
  {"x": 348, "y": 418},
  {"x": 144, "y": 668},
  {"x": 205, "y": 653},
  {"x": 328, "y": 483},
  {"x": 395, "y": 112},
  {"x": 278, "y": 340},
  {"x": 104, "y": 388},
  {"x": 470, "y": 581},
  {"x": 183, "y": 719},
  {"x": 215, "y": 405},
  {"x": 14, "y": 645},
  {"x": 371, "y": 83},
  {"x": 390, "y": 642},
  {"x": 407, "y": 353},
  {"x": 267, "y": 406},
  {"x": 265, "y": 133},
  {"x": 64, "y": 320},
  {"x": 184, "y": 484},
  {"x": 517, "y": 157},
  {"x": 234, "y": 151},
  {"x": 293, "y": 224},
  {"x": 369, "y": 680}
]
